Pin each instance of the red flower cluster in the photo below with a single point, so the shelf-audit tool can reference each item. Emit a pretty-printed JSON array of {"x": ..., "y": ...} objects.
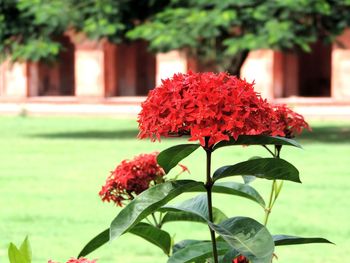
[
  {"x": 75, "y": 260},
  {"x": 209, "y": 105},
  {"x": 290, "y": 122},
  {"x": 131, "y": 177},
  {"x": 240, "y": 259}
]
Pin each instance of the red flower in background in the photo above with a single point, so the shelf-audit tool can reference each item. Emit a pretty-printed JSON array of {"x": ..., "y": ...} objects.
[
  {"x": 290, "y": 122},
  {"x": 131, "y": 177},
  {"x": 75, "y": 260},
  {"x": 240, "y": 259},
  {"x": 216, "y": 106}
]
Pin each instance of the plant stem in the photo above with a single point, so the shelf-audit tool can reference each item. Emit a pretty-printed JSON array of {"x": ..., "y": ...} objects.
[
  {"x": 155, "y": 220},
  {"x": 273, "y": 194},
  {"x": 269, "y": 207},
  {"x": 269, "y": 150},
  {"x": 208, "y": 186}
]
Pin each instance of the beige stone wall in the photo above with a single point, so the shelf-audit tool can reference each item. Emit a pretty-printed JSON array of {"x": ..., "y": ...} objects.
[
  {"x": 167, "y": 64},
  {"x": 341, "y": 68},
  {"x": 89, "y": 69},
  {"x": 13, "y": 80},
  {"x": 259, "y": 68}
]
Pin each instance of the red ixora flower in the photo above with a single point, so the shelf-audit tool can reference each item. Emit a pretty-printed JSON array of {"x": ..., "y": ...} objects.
[
  {"x": 131, "y": 177},
  {"x": 206, "y": 105},
  {"x": 288, "y": 121},
  {"x": 75, "y": 260},
  {"x": 240, "y": 259}
]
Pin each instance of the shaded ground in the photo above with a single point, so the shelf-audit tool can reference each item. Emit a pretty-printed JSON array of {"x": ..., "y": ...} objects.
[
  {"x": 91, "y": 134},
  {"x": 326, "y": 134}
]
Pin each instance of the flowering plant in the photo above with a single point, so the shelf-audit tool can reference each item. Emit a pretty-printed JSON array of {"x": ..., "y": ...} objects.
[
  {"x": 132, "y": 177},
  {"x": 76, "y": 260},
  {"x": 218, "y": 110}
]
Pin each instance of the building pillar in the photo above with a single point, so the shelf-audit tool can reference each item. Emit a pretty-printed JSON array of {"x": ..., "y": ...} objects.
[
  {"x": 170, "y": 63},
  {"x": 13, "y": 80},
  {"x": 340, "y": 75},
  {"x": 89, "y": 69},
  {"x": 259, "y": 67},
  {"x": 33, "y": 73}
]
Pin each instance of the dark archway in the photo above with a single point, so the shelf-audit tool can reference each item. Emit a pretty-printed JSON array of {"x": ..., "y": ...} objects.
[
  {"x": 130, "y": 69},
  {"x": 315, "y": 71},
  {"x": 57, "y": 78}
]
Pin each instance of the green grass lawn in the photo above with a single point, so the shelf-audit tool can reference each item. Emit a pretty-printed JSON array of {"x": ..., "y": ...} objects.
[{"x": 51, "y": 170}]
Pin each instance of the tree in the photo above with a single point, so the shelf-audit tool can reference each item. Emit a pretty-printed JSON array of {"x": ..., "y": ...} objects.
[
  {"x": 219, "y": 34},
  {"x": 28, "y": 28}
]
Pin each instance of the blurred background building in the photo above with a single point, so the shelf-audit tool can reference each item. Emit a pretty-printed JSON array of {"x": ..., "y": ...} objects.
[
  {"x": 296, "y": 52},
  {"x": 99, "y": 70}
]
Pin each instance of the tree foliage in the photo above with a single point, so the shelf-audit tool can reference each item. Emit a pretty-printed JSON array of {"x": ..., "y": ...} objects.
[
  {"x": 219, "y": 33},
  {"x": 28, "y": 28}
]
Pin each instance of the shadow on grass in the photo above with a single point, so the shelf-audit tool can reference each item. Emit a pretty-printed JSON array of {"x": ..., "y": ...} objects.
[
  {"x": 91, "y": 134},
  {"x": 327, "y": 134},
  {"x": 324, "y": 134}
]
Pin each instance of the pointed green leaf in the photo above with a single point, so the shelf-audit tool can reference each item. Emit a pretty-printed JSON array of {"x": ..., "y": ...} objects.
[
  {"x": 284, "y": 240},
  {"x": 26, "y": 250},
  {"x": 170, "y": 157},
  {"x": 170, "y": 216},
  {"x": 154, "y": 235},
  {"x": 257, "y": 140},
  {"x": 173, "y": 216},
  {"x": 238, "y": 189},
  {"x": 95, "y": 243},
  {"x": 248, "y": 237},
  {"x": 15, "y": 256},
  {"x": 147, "y": 202},
  {"x": 268, "y": 168},
  {"x": 197, "y": 206},
  {"x": 198, "y": 251}
]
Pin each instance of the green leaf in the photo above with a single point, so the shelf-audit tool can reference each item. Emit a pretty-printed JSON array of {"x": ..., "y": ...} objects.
[
  {"x": 268, "y": 168},
  {"x": 184, "y": 243},
  {"x": 198, "y": 251},
  {"x": 285, "y": 240},
  {"x": 15, "y": 256},
  {"x": 170, "y": 157},
  {"x": 229, "y": 256},
  {"x": 197, "y": 205},
  {"x": 248, "y": 237},
  {"x": 257, "y": 140},
  {"x": 26, "y": 250},
  {"x": 171, "y": 216},
  {"x": 238, "y": 189},
  {"x": 95, "y": 243},
  {"x": 147, "y": 202},
  {"x": 154, "y": 235}
]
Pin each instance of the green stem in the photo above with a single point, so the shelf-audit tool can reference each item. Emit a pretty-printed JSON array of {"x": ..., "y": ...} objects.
[
  {"x": 160, "y": 218},
  {"x": 273, "y": 194},
  {"x": 208, "y": 186},
  {"x": 155, "y": 220},
  {"x": 269, "y": 207},
  {"x": 267, "y": 148},
  {"x": 149, "y": 221}
]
